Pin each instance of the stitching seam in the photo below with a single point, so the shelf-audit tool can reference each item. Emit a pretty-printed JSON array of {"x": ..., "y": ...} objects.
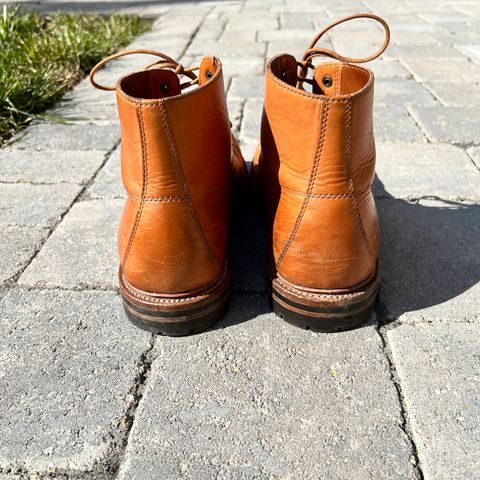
[
  {"x": 153, "y": 300},
  {"x": 348, "y": 127},
  {"x": 176, "y": 198},
  {"x": 184, "y": 186},
  {"x": 311, "y": 182},
  {"x": 328, "y": 195},
  {"x": 143, "y": 141}
]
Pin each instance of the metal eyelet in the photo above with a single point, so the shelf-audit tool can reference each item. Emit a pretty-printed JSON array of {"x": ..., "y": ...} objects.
[
  {"x": 208, "y": 74},
  {"x": 327, "y": 81},
  {"x": 164, "y": 87},
  {"x": 285, "y": 74}
]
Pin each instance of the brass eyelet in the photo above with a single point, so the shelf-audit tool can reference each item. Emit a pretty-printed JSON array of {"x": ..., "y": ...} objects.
[
  {"x": 208, "y": 74},
  {"x": 164, "y": 87},
  {"x": 327, "y": 81}
]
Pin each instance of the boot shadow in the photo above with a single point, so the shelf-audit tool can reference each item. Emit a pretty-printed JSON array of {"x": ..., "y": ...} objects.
[{"x": 430, "y": 252}]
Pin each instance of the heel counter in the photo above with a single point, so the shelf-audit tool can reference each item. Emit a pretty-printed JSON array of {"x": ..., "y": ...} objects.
[
  {"x": 160, "y": 248},
  {"x": 330, "y": 254}
]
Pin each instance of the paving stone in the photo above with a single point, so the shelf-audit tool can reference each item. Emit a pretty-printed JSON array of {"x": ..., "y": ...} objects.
[
  {"x": 420, "y": 170},
  {"x": 443, "y": 17},
  {"x": 18, "y": 244},
  {"x": 42, "y": 205},
  {"x": 244, "y": 66},
  {"x": 293, "y": 48},
  {"x": 448, "y": 124},
  {"x": 430, "y": 262},
  {"x": 460, "y": 95},
  {"x": 251, "y": 122},
  {"x": 471, "y": 51},
  {"x": 81, "y": 252},
  {"x": 224, "y": 49},
  {"x": 85, "y": 113},
  {"x": 238, "y": 36},
  {"x": 248, "y": 151},
  {"x": 108, "y": 183},
  {"x": 388, "y": 69},
  {"x": 243, "y": 88},
  {"x": 410, "y": 38},
  {"x": 442, "y": 397},
  {"x": 414, "y": 27},
  {"x": 264, "y": 24},
  {"x": 393, "y": 124},
  {"x": 48, "y": 167},
  {"x": 235, "y": 112},
  {"x": 427, "y": 52},
  {"x": 453, "y": 71},
  {"x": 70, "y": 360},
  {"x": 268, "y": 401},
  {"x": 401, "y": 92},
  {"x": 285, "y": 35},
  {"x": 474, "y": 153},
  {"x": 47, "y": 136}
]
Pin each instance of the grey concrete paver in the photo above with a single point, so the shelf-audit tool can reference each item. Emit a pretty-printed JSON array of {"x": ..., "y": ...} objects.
[
  {"x": 268, "y": 401},
  {"x": 67, "y": 381},
  {"x": 438, "y": 122},
  {"x": 49, "y": 166},
  {"x": 442, "y": 397},
  {"x": 394, "y": 124},
  {"x": 455, "y": 70},
  {"x": 421, "y": 170},
  {"x": 18, "y": 245},
  {"x": 462, "y": 94},
  {"x": 48, "y": 136},
  {"x": 108, "y": 183},
  {"x": 35, "y": 205},
  {"x": 405, "y": 92},
  {"x": 430, "y": 261},
  {"x": 258, "y": 398},
  {"x": 81, "y": 253}
]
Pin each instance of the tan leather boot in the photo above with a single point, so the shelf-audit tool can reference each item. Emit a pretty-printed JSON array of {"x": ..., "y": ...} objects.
[
  {"x": 315, "y": 166},
  {"x": 178, "y": 162}
]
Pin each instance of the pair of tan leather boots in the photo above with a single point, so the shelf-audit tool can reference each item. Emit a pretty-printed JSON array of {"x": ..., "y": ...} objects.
[{"x": 314, "y": 169}]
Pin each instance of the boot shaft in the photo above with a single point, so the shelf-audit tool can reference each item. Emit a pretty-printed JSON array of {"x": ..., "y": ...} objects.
[
  {"x": 176, "y": 167},
  {"x": 317, "y": 163}
]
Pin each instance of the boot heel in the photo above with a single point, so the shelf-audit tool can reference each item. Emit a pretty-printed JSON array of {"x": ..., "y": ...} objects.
[
  {"x": 323, "y": 312},
  {"x": 177, "y": 315},
  {"x": 180, "y": 323}
]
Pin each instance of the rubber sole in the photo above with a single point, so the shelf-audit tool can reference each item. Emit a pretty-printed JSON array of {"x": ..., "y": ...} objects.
[
  {"x": 321, "y": 311},
  {"x": 176, "y": 315}
]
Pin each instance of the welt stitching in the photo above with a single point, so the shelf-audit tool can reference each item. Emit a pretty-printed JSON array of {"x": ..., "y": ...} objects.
[
  {"x": 155, "y": 300},
  {"x": 348, "y": 127},
  {"x": 311, "y": 182},
  {"x": 143, "y": 141},
  {"x": 184, "y": 186}
]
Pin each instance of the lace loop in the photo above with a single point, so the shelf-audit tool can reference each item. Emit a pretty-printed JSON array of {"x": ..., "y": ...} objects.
[
  {"x": 313, "y": 51},
  {"x": 165, "y": 62}
]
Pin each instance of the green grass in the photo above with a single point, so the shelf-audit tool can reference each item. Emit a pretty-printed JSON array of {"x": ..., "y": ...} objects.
[{"x": 43, "y": 56}]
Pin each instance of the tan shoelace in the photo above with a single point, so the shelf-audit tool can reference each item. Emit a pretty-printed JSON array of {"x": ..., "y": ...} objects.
[
  {"x": 313, "y": 51},
  {"x": 165, "y": 63}
]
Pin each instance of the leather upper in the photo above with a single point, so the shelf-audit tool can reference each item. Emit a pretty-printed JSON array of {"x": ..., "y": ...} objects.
[
  {"x": 176, "y": 166},
  {"x": 316, "y": 166}
]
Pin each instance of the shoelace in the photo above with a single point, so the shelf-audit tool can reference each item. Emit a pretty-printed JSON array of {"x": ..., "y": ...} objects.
[
  {"x": 313, "y": 51},
  {"x": 165, "y": 63}
]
